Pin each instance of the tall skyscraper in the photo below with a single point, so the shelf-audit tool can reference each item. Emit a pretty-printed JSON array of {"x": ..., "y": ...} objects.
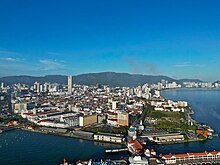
[
  {"x": 70, "y": 84},
  {"x": 114, "y": 105},
  {"x": 2, "y": 85},
  {"x": 37, "y": 87}
]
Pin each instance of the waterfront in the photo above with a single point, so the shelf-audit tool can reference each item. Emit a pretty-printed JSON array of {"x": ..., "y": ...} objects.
[
  {"x": 24, "y": 148},
  {"x": 29, "y": 148},
  {"x": 205, "y": 103}
]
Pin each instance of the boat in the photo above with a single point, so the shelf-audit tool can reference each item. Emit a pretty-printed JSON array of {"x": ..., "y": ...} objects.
[
  {"x": 215, "y": 135},
  {"x": 210, "y": 129},
  {"x": 210, "y": 137}
]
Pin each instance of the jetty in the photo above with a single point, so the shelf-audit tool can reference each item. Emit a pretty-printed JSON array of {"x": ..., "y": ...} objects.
[{"x": 116, "y": 150}]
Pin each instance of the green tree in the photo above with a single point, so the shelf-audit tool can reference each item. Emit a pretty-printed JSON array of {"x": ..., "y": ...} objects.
[{"x": 104, "y": 121}]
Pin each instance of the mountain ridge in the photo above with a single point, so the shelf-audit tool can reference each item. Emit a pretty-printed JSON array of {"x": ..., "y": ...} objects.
[{"x": 105, "y": 78}]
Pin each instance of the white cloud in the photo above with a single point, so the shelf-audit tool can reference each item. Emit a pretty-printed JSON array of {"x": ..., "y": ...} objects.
[
  {"x": 182, "y": 65},
  {"x": 17, "y": 66},
  {"x": 48, "y": 64},
  {"x": 187, "y": 64},
  {"x": 9, "y": 59}
]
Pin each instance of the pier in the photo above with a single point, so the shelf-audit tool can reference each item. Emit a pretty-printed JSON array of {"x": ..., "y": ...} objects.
[{"x": 116, "y": 150}]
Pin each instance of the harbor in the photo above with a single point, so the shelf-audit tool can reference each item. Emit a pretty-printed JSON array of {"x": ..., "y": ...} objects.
[
  {"x": 36, "y": 145},
  {"x": 203, "y": 157},
  {"x": 116, "y": 82},
  {"x": 116, "y": 150}
]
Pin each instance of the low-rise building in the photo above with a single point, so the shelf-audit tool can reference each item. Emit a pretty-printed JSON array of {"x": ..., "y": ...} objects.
[
  {"x": 192, "y": 158},
  {"x": 108, "y": 137},
  {"x": 137, "y": 160},
  {"x": 123, "y": 119},
  {"x": 72, "y": 121},
  {"x": 53, "y": 130},
  {"x": 49, "y": 123},
  {"x": 87, "y": 120},
  {"x": 83, "y": 134},
  {"x": 167, "y": 138},
  {"x": 112, "y": 122},
  {"x": 136, "y": 147}
]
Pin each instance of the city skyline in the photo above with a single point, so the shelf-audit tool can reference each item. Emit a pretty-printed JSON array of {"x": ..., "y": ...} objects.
[{"x": 176, "y": 39}]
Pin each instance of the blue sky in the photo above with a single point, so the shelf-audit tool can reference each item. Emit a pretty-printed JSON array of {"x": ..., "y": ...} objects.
[{"x": 180, "y": 39}]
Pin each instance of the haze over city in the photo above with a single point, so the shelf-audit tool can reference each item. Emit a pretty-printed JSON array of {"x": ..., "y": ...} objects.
[{"x": 174, "y": 38}]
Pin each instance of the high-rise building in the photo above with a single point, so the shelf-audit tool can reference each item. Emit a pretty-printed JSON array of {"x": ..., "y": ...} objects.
[
  {"x": 114, "y": 105},
  {"x": 37, "y": 87},
  {"x": 41, "y": 88},
  {"x": 2, "y": 85},
  {"x": 70, "y": 84}
]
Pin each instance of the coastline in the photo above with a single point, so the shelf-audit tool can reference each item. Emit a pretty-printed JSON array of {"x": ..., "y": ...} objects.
[
  {"x": 189, "y": 112},
  {"x": 69, "y": 136},
  {"x": 185, "y": 147},
  {"x": 170, "y": 89},
  {"x": 105, "y": 142}
]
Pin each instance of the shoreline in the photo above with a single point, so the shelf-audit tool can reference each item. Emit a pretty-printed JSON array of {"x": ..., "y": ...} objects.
[
  {"x": 190, "y": 112},
  {"x": 189, "y": 89},
  {"x": 70, "y": 136},
  {"x": 105, "y": 142}
]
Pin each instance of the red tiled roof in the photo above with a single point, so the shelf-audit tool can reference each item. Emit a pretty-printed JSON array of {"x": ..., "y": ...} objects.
[
  {"x": 214, "y": 152},
  {"x": 168, "y": 156},
  {"x": 190, "y": 154},
  {"x": 138, "y": 145}
]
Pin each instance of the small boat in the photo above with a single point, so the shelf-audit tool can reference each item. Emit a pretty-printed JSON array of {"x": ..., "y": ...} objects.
[
  {"x": 215, "y": 135},
  {"x": 210, "y": 129},
  {"x": 210, "y": 137}
]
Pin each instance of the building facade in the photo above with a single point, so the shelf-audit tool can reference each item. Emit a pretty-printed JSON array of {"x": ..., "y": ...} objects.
[
  {"x": 123, "y": 119},
  {"x": 87, "y": 120},
  {"x": 192, "y": 158},
  {"x": 108, "y": 137}
]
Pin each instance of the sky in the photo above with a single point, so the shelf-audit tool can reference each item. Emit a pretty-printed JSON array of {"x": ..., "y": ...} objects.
[{"x": 180, "y": 39}]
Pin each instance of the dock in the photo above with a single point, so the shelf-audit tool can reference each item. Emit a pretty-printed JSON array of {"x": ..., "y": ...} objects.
[{"x": 116, "y": 150}]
